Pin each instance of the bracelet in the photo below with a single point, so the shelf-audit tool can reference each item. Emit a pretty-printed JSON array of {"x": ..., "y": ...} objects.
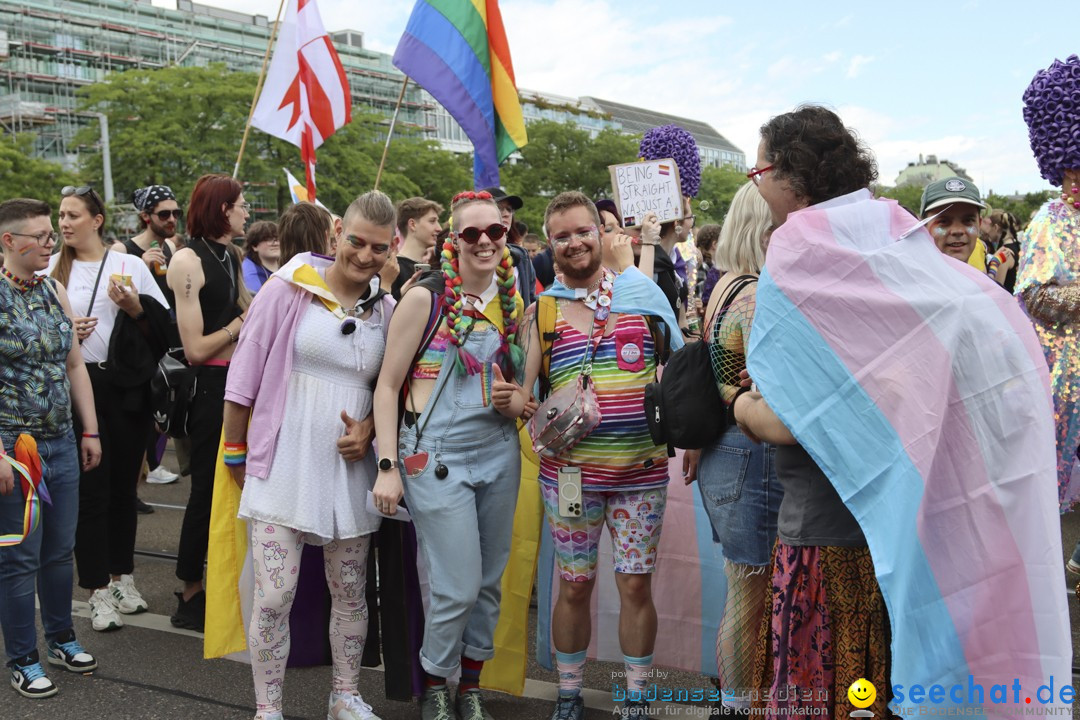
[
  {"x": 235, "y": 453},
  {"x": 91, "y": 436},
  {"x": 232, "y": 337}
]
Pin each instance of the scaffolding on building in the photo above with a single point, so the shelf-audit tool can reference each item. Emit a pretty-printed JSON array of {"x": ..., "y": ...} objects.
[{"x": 51, "y": 48}]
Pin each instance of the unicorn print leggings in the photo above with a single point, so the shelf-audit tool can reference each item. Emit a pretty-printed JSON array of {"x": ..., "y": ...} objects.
[{"x": 276, "y": 553}]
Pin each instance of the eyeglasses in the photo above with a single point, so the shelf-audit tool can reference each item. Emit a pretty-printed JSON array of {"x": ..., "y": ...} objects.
[
  {"x": 41, "y": 238},
  {"x": 164, "y": 215},
  {"x": 246, "y": 207},
  {"x": 471, "y": 235},
  {"x": 83, "y": 191},
  {"x": 581, "y": 235},
  {"x": 755, "y": 174}
]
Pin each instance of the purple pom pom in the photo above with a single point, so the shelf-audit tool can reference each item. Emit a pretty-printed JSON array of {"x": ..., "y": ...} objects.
[
  {"x": 671, "y": 141},
  {"x": 1049, "y": 103}
]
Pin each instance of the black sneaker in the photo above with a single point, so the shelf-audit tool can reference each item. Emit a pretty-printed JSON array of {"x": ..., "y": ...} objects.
[
  {"x": 635, "y": 709},
  {"x": 569, "y": 708},
  {"x": 190, "y": 614},
  {"x": 141, "y": 507},
  {"x": 66, "y": 652},
  {"x": 29, "y": 678}
]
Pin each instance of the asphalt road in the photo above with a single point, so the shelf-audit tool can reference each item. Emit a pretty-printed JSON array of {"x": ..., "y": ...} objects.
[{"x": 150, "y": 670}]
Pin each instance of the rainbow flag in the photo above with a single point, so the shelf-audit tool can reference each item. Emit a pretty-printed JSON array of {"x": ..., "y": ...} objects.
[
  {"x": 457, "y": 51},
  {"x": 920, "y": 389}
]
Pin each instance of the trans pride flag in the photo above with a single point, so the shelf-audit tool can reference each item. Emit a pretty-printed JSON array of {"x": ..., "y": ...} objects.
[
  {"x": 920, "y": 389},
  {"x": 457, "y": 51}
]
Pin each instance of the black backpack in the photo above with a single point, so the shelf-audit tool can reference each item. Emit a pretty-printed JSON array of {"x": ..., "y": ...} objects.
[{"x": 684, "y": 409}]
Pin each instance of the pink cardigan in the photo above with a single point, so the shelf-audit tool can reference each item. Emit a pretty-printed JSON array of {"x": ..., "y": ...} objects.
[{"x": 261, "y": 365}]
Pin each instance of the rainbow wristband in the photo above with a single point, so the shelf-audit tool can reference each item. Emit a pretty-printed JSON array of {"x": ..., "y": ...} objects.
[{"x": 235, "y": 454}]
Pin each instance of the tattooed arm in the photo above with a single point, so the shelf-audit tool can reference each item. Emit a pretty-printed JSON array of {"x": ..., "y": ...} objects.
[{"x": 186, "y": 279}]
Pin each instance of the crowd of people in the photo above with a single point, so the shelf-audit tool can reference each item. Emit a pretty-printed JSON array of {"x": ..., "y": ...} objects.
[{"x": 351, "y": 368}]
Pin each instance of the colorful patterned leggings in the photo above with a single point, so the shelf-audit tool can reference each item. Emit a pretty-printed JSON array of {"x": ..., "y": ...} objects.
[{"x": 276, "y": 552}]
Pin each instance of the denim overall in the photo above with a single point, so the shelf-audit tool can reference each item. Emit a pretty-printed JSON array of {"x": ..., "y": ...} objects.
[{"x": 464, "y": 519}]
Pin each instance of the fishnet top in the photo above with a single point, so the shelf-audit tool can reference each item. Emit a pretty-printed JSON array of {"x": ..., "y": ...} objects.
[{"x": 729, "y": 334}]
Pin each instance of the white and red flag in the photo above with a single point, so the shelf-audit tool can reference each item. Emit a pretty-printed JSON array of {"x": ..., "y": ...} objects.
[{"x": 305, "y": 97}]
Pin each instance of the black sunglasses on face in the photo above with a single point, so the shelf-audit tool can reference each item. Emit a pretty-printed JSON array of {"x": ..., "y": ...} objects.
[
  {"x": 164, "y": 215},
  {"x": 471, "y": 235}
]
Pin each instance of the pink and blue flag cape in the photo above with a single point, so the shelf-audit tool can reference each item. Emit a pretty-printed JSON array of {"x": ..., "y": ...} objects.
[{"x": 920, "y": 389}]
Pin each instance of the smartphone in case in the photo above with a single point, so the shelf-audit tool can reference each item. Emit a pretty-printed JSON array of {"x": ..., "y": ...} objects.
[
  {"x": 422, "y": 267},
  {"x": 570, "y": 492},
  {"x": 414, "y": 464}
]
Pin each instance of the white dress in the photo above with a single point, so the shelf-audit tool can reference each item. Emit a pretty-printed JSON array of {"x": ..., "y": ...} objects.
[{"x": 310, "y": 487}]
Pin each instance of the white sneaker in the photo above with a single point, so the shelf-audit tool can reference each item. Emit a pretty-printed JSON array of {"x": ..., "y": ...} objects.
[
  {"x": 125, "y": 597},
  {"x": 103, "y": 614},
  {"x": 161, "y": 476},
  {"x": 349, "y": 707}
]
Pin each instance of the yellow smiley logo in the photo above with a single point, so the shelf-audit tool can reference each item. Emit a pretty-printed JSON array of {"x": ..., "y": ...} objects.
[{"x": 862, "y": 693}]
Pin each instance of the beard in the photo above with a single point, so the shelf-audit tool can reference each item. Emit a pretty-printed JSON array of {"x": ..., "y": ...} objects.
[
  {"x": 161, "y": 228},
  {"x": 584, "y": 273}
]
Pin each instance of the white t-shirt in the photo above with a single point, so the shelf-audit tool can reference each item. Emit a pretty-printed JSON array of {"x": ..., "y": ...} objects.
[{"x": 81, "y": 285}]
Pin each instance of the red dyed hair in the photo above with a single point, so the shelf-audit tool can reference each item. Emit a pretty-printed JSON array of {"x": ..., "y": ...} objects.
[{"x": 205, "y": 218}]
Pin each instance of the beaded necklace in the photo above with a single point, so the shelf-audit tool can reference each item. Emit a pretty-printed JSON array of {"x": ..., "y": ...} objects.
[
  {"x": 19, "y": 283},
  {"x": 1072, "y": 198}
]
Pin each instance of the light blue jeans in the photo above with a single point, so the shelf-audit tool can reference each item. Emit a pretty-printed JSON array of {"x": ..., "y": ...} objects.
[
  {"x": 738, "y": 485},
  {"x": 465, "y": 519},
  {"x": 44, "y": 559}
]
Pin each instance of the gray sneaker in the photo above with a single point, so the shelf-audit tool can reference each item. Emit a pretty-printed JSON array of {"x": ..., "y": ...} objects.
[
  {"x": 435, "y": 704},
  {"x": 470, "y": 706},
  {"x": 569, "y": 708}
]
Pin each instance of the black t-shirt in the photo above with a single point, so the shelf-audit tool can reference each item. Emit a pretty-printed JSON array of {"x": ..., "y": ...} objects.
[
  {"x": 811, "y": 512},
  {"x": 665, "y": 276},
  {"x": 135, "y": 251},
  {"x": 406, "y": 268}
]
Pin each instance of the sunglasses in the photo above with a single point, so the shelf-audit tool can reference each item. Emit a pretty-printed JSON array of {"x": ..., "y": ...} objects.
[
  {"x": 471, "y": 235},
  {"x": 82, "y": 191},
  {"x": 164, "y": 215}
]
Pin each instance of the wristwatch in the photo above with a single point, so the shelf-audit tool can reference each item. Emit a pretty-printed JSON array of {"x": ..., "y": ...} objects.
[{"x": 387, "y": 464}]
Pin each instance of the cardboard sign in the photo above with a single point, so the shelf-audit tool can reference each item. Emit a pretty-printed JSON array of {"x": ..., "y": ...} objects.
[{"x": 644, "y": 187}]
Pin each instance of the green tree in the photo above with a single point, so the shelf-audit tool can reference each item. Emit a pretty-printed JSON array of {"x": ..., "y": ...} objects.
[
  {"x": 1021, "y": 207},
  {"x": 23, "y": 175},
  {"x": 718, "y": 188},
  {"x": 561, "y": 157},
  {"x": 173, "y": 125},
  {"x": 909, "y": 196}
]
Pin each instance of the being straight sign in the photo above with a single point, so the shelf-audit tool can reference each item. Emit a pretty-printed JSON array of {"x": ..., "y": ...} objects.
[{"x": 644, "y": 187}]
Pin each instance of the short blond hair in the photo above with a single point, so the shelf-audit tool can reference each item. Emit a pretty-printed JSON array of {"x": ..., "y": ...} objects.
[{"x": 739, "y": 249}]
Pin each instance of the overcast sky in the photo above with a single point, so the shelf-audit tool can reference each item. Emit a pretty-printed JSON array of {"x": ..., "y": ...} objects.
[{"x": 942, "y": 78}]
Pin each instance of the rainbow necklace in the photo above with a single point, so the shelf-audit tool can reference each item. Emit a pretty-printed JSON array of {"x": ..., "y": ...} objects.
[{"x": 22, "y": 285}]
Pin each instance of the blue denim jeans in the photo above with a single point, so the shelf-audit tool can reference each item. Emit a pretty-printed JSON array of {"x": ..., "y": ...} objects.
[
  {"x": 737, "y": 481},
  {"x": 44, "y": 558}
]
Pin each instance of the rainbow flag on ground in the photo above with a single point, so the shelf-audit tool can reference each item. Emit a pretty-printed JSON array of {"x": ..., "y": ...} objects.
[
  {"x": 457, "y": 51},
  {"x": 920, "y": 389}
]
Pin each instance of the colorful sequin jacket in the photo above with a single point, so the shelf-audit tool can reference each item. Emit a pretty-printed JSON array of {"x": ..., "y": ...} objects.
[{"x": 1049, "y": 275}]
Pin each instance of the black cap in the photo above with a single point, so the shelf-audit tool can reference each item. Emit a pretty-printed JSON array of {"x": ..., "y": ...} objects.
[{"x": 499, "y": 195}]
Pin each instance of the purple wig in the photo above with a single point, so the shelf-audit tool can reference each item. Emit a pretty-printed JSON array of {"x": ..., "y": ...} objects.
[
  {"x": 1052, "y": 114},
  {"x": 671, "y": 141}
]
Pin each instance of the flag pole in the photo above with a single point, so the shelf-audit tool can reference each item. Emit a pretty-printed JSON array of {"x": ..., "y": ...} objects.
[
  {"x": 258, "y": 89},
  {"x": 390, "y": 132}
]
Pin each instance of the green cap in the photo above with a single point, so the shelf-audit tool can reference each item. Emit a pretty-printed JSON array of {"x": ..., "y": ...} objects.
[{"x": 948, "y": 191}]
